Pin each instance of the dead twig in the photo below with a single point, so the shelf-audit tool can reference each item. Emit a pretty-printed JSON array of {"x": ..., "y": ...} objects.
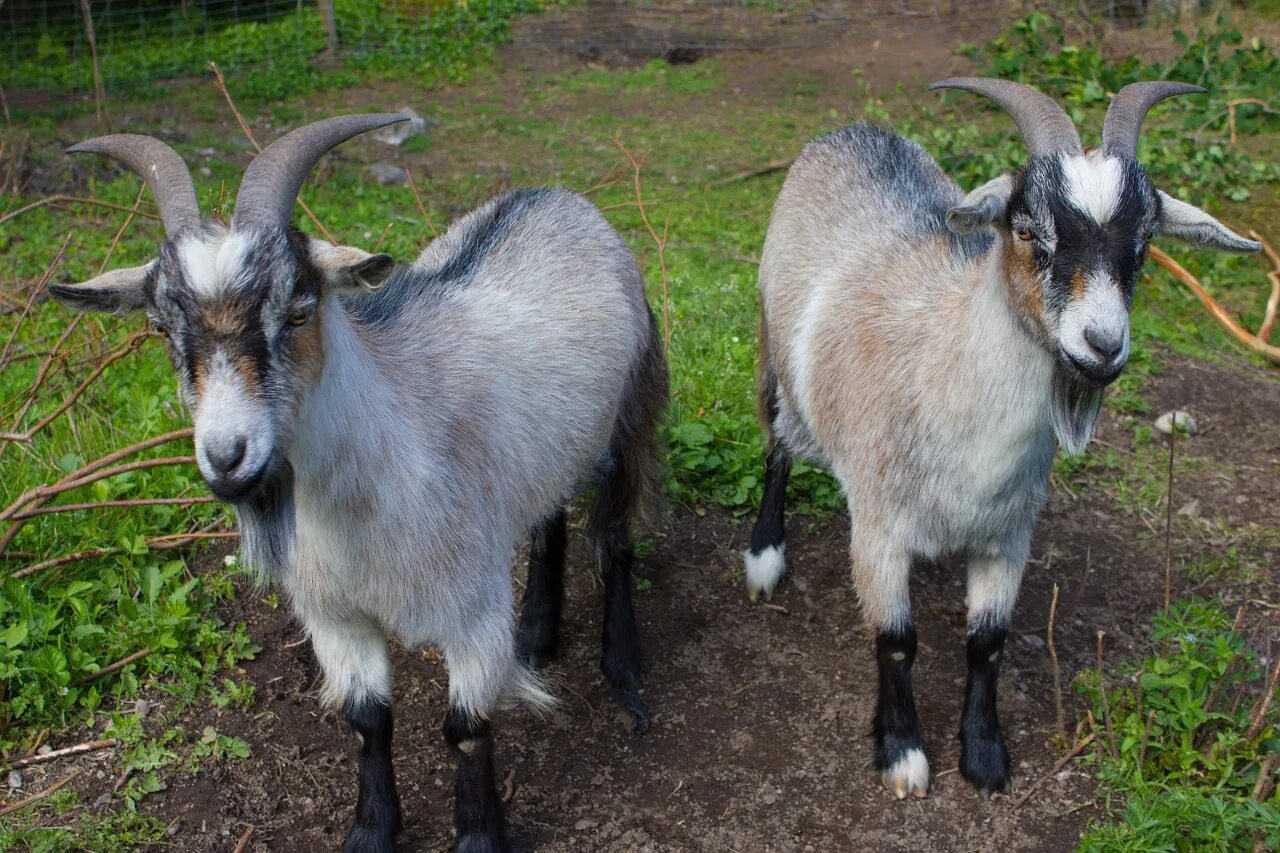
[
  {"x": 78, "y": 749},
  {"x": 51, "y": 510},
  {"x": 1251, "y": 341},
  {"x": 1168, "y": 517},
  {"x": 221, "y": 83},
  {"x": 156, "y": 543},
  {"x": 245, "y": 837},
  {"x": 112, "y": 667},
  {"x": 1266, "y": 784},
  {"x": 31, "y": 298},
  {"x": 1079, "y": 747},
  {"x": 417, "y": 199},
  {"x": 72, "y": 199},
  {"x": 1106, "y": 704},
  {"x": 1258, "y": 717},
  {"x": 35, "y": 798},
  {"x": 1053, "y": 660},
  {"x": 661, "y": 242},
  {"x": 767, "y": 169}
]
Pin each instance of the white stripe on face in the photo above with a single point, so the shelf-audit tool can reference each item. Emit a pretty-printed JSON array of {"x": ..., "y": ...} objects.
[
  {"x": 1101, "y": 308},
  {"x": 1093, "y": 184},
  {"x": 210, "y": 264},
  {"x": 226, "y": 413}
]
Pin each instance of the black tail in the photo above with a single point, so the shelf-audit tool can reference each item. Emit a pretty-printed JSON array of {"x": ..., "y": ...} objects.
[{"x": 766, "y": 559}]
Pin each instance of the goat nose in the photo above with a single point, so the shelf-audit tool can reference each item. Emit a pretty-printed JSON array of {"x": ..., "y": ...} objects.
[
  {"x": 225, "y": 457},
  {"x": 1106, "y": 344}
]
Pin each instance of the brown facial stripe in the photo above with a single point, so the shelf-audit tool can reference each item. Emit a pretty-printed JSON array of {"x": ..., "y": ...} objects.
[
  {"x": 307, "y": 349},
  {"x": 1078, "y": 284},
  {"x": 1025, "y": 282}
]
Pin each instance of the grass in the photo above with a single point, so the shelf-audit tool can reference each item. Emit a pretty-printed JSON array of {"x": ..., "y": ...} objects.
[{"x": 58, "y": 628}]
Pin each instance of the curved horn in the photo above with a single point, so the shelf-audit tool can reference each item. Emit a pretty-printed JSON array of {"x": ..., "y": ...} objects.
[
  {"x": 1045, "y": 128},
  {"x": 160, "y": 166},
  {"x": 271, "y": 183},
  {"x": 1129, "y": 107}
]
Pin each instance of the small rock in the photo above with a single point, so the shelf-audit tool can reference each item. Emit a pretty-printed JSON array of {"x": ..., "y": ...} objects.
[
  {"x": 15, "y": 779},
  {"x": 769, "y": 798},
  {"x": 44, "y": 749},
  {"x": 206, "y": 172},
  {"x": 800, "y": 584},
  {"x": 1191, "y": 508},
  {"x": 1032, "y": 640},
  {"x": 584, "y": 824},
  {"x": 385, "y": 173},
  {"x": 1186, "y": 423},
  {"x": 396, "y": 134},
  {"x": 141, "y": 708},
  {"x": 103, "y": 801}
]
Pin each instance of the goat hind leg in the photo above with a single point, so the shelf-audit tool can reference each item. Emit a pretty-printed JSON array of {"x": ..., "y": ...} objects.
[{"x": 540, "y": 610}]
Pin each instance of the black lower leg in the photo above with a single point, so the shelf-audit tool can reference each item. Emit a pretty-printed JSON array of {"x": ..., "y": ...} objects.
[
  {"x": 377, "y": 806},
  {"x": 769, "y": 530},
  {"x": 897, "y": 727},
  {"x": 544, "y": 594},
  {"x": 984, "y": 760},
  {"x": 477, "y": 808},
  {"x": 620, "y": 657}
]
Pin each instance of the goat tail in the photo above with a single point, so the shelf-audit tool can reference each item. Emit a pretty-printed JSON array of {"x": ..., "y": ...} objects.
[
  {"x": 632, "y": 484},
  {"x": 530, "y": 689}
]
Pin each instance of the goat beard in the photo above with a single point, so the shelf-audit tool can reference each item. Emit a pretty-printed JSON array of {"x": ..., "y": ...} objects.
[
  {"x": 268, "y": 531},
  {"x": 1075, "y": 408}
]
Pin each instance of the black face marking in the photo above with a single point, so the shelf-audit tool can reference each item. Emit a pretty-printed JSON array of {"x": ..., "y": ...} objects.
[
  {"x": 248, "y": 319},
  {"x": 1070, "y": 244}
]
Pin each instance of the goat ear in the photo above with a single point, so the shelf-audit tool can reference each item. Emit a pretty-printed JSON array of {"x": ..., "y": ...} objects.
[
  {"x": 118, "y": 291},
  {"x": 981, "y": 208},
  {"x": 347, "y": 268},
  {"x": 1191, "y": 224}
]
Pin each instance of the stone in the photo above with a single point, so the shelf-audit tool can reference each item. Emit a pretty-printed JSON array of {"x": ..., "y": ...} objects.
[
  {"x": 385, "y": 173},
  {"x": 15, "y": 779},
  {"x": 1190, "y": 508},
  {"x": 1186, "y": 423},
  {"x": 396, "y": 134}
]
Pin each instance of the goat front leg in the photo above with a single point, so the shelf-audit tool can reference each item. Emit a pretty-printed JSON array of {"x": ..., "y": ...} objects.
[
  {"x": 992, "y": 588},
  {"x": 480, "y": 671},
  {"x": 357, "y": 673},
  {"x": 881, "y": 574}
]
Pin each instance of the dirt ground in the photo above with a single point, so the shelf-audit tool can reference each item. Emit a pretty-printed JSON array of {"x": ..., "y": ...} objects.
[
  {"x": 760, "y": 737},
  {"x": 761, "y": 716}
]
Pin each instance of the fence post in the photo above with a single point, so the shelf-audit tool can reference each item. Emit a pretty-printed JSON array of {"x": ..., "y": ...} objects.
[
  {"x": 99, "y": 93},
  {"x": 331, "y": 29}
]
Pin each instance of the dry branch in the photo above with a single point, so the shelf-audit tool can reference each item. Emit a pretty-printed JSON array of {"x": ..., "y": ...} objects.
[
  {"x": 72, "y": 199},
  {"x": 78, "y": 749},
  {"x": 1053, "y": 659},
  {"x": 51, "y": 510},
  {"x": 660, "y": 241},
  {"x": 767, "y": 169},
  {"x": 157, "y": 543},
  {"x": 112, "y": 667},
  {"x": 221, "y": 83},
  {"x": 31, "y": 298},
  {"x": 35, "y": 798},
  {"x": 1081, "y": 743},
  {"x": 417, "y": 199},
  {"x": 1256, "y": 343}
]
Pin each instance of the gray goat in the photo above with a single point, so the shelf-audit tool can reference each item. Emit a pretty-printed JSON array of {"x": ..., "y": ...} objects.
[
  {"x": 932, "y": 347},
  {"x": 389, "y": 435}
]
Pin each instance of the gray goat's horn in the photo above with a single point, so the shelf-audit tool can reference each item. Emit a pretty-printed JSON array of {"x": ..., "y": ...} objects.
[
  {"x": 1129, "y": 107},
  {"x": 271, "y": 183},
  {"x": 160, "y": 166},
  {"x": 1045, "y": 128}
]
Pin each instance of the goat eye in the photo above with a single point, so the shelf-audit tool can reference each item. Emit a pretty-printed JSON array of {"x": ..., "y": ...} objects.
[
  {"x": 1025, "y": 234},
  {"x": 299, "y": 316}
]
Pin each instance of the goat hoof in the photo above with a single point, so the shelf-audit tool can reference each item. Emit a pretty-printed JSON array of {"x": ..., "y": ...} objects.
[
  {"x": 909, "y": 774},
  {"x": 365, "y": 840},
  {"x": 985, "y": 765},
  {"x": 631, "y": 702},
  {"x": 764, "y": 570},
  {"x": 480, "y": 842}
]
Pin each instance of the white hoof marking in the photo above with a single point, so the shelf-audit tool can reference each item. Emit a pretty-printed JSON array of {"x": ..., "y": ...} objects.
[
  {"x": 908, "y": 775},
  {"x": 764, "y": 570}
]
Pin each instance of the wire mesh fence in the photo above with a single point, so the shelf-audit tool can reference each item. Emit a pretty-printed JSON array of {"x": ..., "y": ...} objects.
[{"x": 115, "y": 47}]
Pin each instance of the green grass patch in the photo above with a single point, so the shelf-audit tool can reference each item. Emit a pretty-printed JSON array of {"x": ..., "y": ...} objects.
[{"x": 1190, "y": 737}]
